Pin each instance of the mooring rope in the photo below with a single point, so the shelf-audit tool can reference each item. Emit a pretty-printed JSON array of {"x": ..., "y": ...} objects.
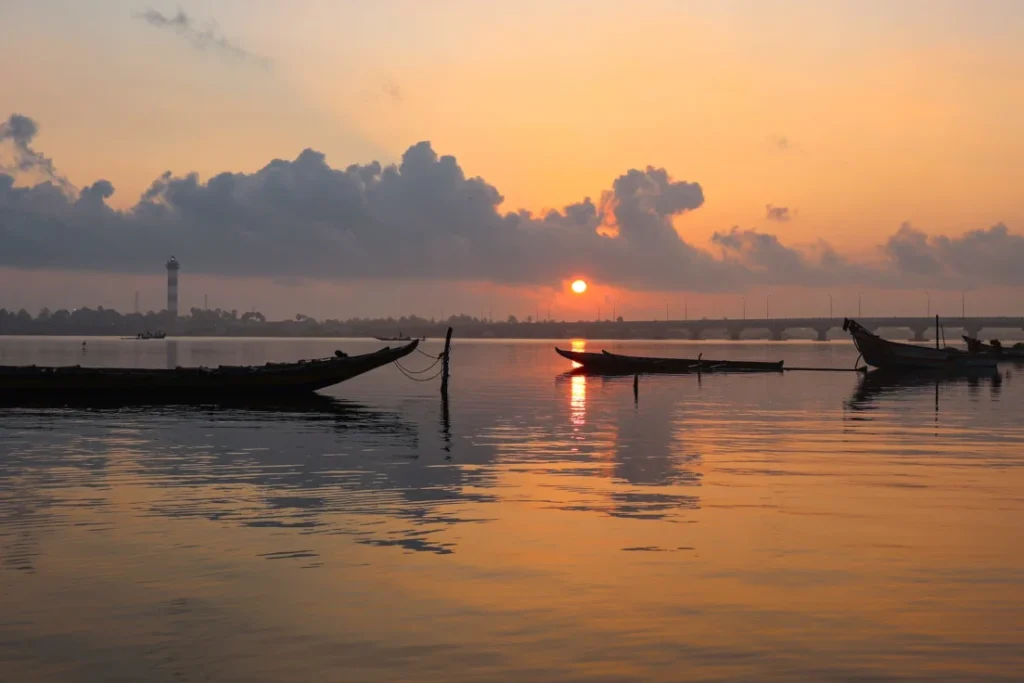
[
  {"x": 418, "y": 372},
  {"x": 411, "y": 376}
]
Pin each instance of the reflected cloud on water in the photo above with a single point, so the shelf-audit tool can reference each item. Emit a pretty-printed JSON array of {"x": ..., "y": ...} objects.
[
  {"x": 322, "y": 466},
  {"x": 637, "y": 444},
  {"x": 822, "y": 524},
  {"x": 314, "y": 465}
]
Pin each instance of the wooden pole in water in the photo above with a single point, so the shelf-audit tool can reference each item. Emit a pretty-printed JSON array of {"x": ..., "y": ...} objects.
[
  {"x": 636, "y": 388},
  {"x": 936, "y": 331},
  {"x": 444, "y": 362}
]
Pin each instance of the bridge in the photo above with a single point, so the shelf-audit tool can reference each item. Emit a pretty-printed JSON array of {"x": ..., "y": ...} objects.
[{"x": 917, "y": 328}]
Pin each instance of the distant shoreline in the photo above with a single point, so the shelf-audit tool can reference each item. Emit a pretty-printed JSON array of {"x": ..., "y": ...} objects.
[
  {"x": 84, "y": 323},
  {"x": 952, "y": 340}
]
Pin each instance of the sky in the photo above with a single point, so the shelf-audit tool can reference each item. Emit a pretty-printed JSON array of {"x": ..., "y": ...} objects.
[{"x": 385, "y": 158}]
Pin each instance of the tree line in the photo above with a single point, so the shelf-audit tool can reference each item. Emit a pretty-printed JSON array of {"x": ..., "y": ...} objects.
[{"x": 102, "y": 321}]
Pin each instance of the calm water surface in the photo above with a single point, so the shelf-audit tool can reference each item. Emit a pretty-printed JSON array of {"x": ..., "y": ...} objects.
[{"x": 792, "y": 526}]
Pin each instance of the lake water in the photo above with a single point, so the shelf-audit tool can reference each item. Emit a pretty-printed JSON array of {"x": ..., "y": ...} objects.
[{"x": 804, "y": 526}]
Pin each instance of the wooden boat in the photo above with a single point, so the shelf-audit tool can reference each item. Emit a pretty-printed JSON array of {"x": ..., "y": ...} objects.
[
  {"x": 889, "y": 355},
  {"x": 995, "y": 348},
  {"x": 272, "y": 379},
  {"x": 142, "y": 336},
  {"x": 613, "y": 363}
]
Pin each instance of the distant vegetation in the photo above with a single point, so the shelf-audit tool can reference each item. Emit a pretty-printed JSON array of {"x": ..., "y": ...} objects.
[
  {"x": 219, "y": 323},
  {"x": 200, "y": 322}
]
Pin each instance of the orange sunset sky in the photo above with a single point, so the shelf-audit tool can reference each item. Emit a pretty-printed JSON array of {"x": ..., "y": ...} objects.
[{"x": 846, "y": 148}]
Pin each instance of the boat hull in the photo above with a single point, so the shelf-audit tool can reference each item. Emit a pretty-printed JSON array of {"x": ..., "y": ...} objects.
[
  {"x": 1013, "y": 353},
  {"x": 612, "y": 363},
  {"x": 200, "y": 383},
  {"x": 888, "y": 355}
]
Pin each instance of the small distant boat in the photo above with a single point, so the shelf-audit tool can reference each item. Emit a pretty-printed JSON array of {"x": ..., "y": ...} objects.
[
  {"x": 995, "y": 348},
  {"x": 142, "y": 336},
  {"x": 400, "y": 338},
  {"x": 190, "y": 384},
  {"x": 613, "y": 363},
  {"x": 889, "y": 355}
]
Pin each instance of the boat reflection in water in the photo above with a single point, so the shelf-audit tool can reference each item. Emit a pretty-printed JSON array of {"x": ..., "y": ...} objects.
[
  {"x": 643, "y": 452},
  {"x": 298, "y": 408},
  {"x": 879, "y": 384}
]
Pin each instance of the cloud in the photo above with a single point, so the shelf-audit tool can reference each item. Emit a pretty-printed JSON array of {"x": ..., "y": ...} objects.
[
  {"x": 911, "y": 253},
  {"x": 776, "y": 213},
  {"x": 20, "y": 131},
  {"x": 421, "y": 218},
  {"x": 424, "y": 218},
  {"x": 781, "y": 142},
  {"x": 770, "y": 262},
  {"x": 207, "y": 39},
  {"x": 988, "y": 256},
  {"x": 392, "y": 90}
]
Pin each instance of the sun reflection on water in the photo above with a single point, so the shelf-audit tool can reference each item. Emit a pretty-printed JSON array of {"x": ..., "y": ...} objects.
[
  {"x": 579, "y": 346},
  {"x": 578, "y": 400}
]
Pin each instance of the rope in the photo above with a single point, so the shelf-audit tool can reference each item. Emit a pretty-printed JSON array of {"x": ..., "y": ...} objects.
[
  {"x": 411, "y": 374},
  {"x": 418, "y": 379},
  {"x": 418, "y": 372}
]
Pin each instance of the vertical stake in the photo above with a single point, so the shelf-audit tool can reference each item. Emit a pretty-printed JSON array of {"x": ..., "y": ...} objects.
[
  {"x": 636, "y": 388},
  {"x": 444, "y": 362}
]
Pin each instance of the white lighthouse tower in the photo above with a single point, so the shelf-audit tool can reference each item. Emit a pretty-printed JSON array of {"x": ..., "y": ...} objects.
[{"x": 172, "y": 289}]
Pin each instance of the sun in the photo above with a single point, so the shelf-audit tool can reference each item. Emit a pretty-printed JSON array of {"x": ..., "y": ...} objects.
[{"x": 579, "y": 286}]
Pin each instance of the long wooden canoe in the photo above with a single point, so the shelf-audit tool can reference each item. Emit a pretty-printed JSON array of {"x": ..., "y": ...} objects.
[
  {"x": 890, "y": 355},
  {"x": 272, "y": 379},
  {"x": 613, "y": 363}
]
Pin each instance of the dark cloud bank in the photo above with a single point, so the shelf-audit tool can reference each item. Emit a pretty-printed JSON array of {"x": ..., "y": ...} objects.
[{"x": 423, "y": 218}]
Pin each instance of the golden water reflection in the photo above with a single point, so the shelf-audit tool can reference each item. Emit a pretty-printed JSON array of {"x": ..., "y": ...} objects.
[
  {"x": 749, "y": 527},
  {"x": 579, "y": 346},
  {"x": 578, "y": 400}
]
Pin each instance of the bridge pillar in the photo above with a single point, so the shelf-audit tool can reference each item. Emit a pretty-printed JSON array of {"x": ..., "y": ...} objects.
[
  {"x": 697, "y": 334},
  {"x": 919, "y": 334},
  {"x": 734, "y": 333},
  {"x": 973, "y": 332},
  {"x": 777, "y": 333},
  {"x": 822, "y": 333}
]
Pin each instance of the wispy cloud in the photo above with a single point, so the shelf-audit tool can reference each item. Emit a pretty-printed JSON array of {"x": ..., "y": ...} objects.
[
  {"x": 783, "y": 143},
  {"x": 207, "y": 39},
  {"x": 392, "y": 90},
  {"x": 777, "y": 213},
  {"x": 20, "y": 131}
]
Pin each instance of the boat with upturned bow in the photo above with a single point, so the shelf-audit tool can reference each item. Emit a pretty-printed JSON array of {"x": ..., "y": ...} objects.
[
  {"x": 271, "y": 379},
  {"x": 613, "y": 363},
  {"x": 885, "y": 354}
]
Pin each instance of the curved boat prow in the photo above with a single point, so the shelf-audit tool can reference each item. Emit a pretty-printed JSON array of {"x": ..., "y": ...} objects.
[
  {"x": 606, "y": 362},
  {"x": 196, "y": 383}
]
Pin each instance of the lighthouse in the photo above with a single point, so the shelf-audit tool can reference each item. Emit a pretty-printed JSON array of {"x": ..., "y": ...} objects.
[{"x": 172, "y": 288}]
